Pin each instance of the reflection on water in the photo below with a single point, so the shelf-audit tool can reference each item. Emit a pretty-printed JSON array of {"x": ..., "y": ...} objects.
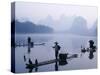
[
  {"x": 27, "y": 56},
  {"x": 62, "y": 60},
  {"x": 91, "y": 55},
  {"x": 56, "y": 66}
]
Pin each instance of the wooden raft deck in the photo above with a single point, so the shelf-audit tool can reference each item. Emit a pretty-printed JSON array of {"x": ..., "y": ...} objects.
[{"x": 48, "y": 62}]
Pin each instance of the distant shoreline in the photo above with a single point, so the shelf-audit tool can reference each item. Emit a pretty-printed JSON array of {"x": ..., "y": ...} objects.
[{"x": 55, "y": 34}]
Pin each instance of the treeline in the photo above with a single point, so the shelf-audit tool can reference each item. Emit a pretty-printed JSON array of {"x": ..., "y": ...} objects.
[{"x": 30, "y": 27}]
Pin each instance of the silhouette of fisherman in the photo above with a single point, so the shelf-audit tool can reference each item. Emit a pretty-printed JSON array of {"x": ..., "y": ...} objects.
[
  {"x": 29, "y": 42},
  {"x": 57, "y": 48},
  {"x": 92, "y": 49},
  {"x": 91, "y": 43}
]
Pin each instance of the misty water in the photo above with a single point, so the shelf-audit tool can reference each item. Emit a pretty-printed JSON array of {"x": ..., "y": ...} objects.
[{"x": 69, "y": 44}]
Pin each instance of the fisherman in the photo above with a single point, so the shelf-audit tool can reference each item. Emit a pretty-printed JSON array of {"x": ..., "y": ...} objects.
[
  {"x": 91, "y": 43},
  {"x": 29, "y": 44},
  {"x": 29, "y": 40},
  {"x": 57, "y": 48},
  {"x": 92, "y": 46}
]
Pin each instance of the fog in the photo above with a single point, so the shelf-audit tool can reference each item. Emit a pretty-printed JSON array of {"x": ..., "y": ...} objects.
[{"x": 35, "y": 12}]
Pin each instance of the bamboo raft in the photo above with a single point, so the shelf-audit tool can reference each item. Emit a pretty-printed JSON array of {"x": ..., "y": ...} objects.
[
  {"x": 31, "y": 45},
  {"x": 31, "y": 65}
]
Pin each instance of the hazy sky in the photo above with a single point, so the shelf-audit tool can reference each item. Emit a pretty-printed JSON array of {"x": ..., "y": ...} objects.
[{"x": 37, "y": 11}]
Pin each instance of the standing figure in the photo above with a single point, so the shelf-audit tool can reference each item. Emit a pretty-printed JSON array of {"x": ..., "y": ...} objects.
[
  {"x": 91, "y": 43},
  {"x": 57, "y": 48},
  {"x": 29, "y": 40},
  {"x": 92, "y": 49},
  {"x": 29, "y": 44}
]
